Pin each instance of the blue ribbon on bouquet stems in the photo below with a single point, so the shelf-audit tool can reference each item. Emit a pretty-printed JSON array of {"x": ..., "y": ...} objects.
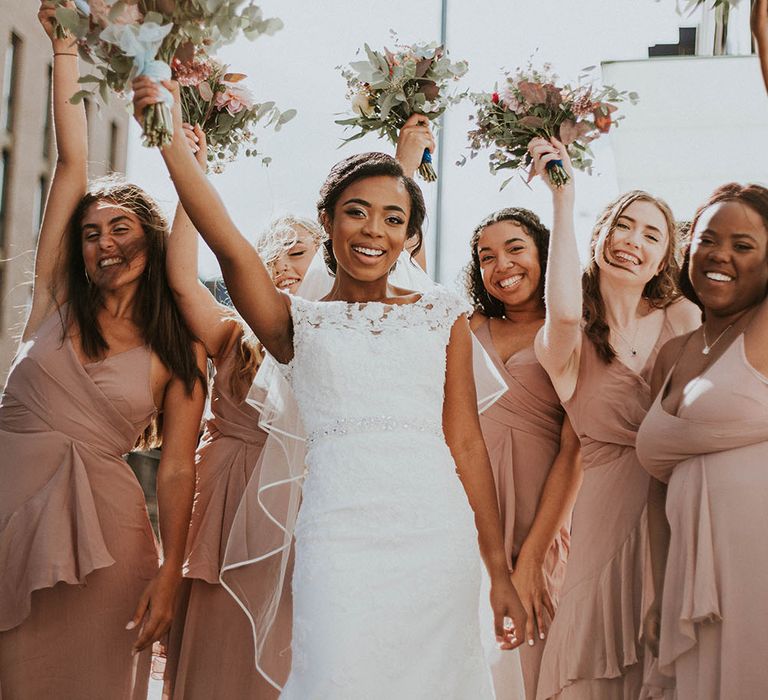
[{"x": 425, "y": 169}]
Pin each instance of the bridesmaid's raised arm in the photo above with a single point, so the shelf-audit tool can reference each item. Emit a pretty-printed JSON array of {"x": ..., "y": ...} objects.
[
  {"x": 70, "y": 177},
  {"x": 558, "y": 343},
  {"x": 248, "y": 281},
  {"x": 212, "y": 323}
]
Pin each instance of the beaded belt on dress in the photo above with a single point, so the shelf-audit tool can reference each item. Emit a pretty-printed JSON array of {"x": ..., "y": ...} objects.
[{"x": 374, "y": 424}]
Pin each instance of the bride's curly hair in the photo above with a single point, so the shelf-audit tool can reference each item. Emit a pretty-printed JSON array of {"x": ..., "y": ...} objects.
[
  {"x": 481, "y": 300},
  {"x": 360, "y": 167}
]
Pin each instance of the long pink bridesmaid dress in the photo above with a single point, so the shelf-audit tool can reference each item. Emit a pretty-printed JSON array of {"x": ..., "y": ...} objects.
[
  {"x": 522, "y": 435},
  {"x": 713, "y": 452},
  {"x": 211, "y": 650},
  {"x": 76, "y": 545},
  {"x": 593, "y": 651}
]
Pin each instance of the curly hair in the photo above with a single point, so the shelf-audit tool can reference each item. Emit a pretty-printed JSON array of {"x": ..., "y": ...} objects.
[
  {"x": 360, "y": 167},
  {"x": 659, "y": 292},
  {"x": 751, "y": 195},
  {"x": 482, "y": 301}
]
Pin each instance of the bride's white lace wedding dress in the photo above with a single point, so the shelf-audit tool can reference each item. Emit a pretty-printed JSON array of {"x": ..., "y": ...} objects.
[{"x": 387, "y": 571}]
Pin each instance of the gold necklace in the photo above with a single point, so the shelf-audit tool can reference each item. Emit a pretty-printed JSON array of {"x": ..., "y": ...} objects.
[{"x": 707, "y": 346}]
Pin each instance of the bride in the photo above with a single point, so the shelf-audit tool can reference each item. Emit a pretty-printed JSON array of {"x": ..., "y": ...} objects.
[{"x": 387, "y": 567}]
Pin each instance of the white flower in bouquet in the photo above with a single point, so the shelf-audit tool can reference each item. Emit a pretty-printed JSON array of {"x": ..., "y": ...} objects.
[{"x": 361, "y": 104}]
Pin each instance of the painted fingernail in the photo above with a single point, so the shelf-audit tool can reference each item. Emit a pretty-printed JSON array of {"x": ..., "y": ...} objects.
[
  {"x": 530, "y": 642},
  {"x": 541, "y": 635},
  {"x": 130, "y": 625}
]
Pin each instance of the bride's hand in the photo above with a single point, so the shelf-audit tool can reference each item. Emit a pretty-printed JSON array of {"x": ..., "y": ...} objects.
[
  {"x": 146, "y": 92},
  {"x": 507, "y": 607}
]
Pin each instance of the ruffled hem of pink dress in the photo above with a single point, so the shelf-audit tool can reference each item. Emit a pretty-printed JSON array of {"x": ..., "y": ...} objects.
[
  {"x": 595, "y": 634},
  {"x": 691, "y": 595},
  {"x": 54, "y": 536}
]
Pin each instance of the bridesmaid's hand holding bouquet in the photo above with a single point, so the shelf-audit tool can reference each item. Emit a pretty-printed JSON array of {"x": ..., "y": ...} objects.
[
  {"x": 390, "y": 86},
  {"x": 126, "y": 39},
  {"x": 531, "y": 105}
]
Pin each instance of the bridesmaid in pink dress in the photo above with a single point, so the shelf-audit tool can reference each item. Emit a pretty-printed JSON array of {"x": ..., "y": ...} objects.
[
  {"x": 533, "y": 449},
  {"x": 103, "y": 351},
  {"x": 210, "y": 653},
  {"x": 705, "y": 442},
  {"x": 598, "y": 343}
]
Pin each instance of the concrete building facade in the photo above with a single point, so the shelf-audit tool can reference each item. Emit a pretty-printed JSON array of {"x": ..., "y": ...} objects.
[{"x": 28, "y": 154}]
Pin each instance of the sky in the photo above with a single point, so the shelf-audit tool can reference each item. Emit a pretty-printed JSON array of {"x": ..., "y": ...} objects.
[{"x": 297, "y": 67}]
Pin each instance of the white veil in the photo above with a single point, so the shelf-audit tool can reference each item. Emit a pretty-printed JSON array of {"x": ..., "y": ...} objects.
[{"x": 259, "y": 554}]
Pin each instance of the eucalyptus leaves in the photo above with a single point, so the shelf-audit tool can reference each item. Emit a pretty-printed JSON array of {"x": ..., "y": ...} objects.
[
  {"x": 124, "y": 39},
  {"x": 390, "y": 86}
]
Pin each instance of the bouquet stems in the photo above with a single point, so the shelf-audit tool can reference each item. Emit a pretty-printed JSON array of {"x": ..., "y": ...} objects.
[
  {"x": 557, "y": 174},
  {"x": 158, "y": 125},
  {"x": 426, "y": 170}
]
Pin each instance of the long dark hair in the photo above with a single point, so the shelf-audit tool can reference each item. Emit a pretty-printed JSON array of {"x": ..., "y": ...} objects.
[
  {"x": 659, "y": 292},
  {"x": 753, "y": 196},
  {"x": 481, "y": 300},
  {"x": 155, "y": 311},
  {"x": 360, "y": 167}
]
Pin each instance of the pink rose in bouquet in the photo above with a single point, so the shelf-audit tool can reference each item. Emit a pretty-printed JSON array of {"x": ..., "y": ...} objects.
[{"x": 128, "y": 14}]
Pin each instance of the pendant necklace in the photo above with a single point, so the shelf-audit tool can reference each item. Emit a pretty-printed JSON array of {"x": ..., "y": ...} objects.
[
  {"x": 631, "y": 346},
  {"x": 708, "y": 346}
]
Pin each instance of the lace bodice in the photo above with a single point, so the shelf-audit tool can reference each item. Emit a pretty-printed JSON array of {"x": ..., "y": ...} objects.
[{"x": 371, "y": 366}]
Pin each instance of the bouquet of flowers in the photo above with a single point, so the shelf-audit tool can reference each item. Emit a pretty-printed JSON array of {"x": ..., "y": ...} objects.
[
  {"x": 533, "y": 104},
  {"x": 223, "y": 107},
  {"x": 124, "y": 39},
  {"x": 390, "y": 86}
]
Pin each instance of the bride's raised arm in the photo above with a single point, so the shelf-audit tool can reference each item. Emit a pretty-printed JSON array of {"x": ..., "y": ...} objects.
[{"x": 248, "y": 282}]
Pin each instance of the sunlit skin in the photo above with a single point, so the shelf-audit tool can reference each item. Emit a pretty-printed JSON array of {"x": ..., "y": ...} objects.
[
  {"x": 635, "y": 250},
  {"x": 728, "y": 269},
  {"x": 368, "y": 231},
  {"x": 114, "y": 246},
  {"x": 509, "y": 264},
  {"x": 288, "y": 268}
]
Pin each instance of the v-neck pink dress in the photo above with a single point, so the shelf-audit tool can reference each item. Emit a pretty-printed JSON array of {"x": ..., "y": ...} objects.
[
  {"x": 713, "y": 453},
  {"x": 522, "y": 435},
  {"x": 76, "y": 545},
  {"x": 593, "y": 651}
]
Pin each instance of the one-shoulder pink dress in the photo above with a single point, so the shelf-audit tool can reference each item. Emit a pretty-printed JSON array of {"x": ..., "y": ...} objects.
[
  {"x": 593, "y": 651},
  {"x": 76, "y": 545},
  {"x": 522, "y": 435},
  {"x": 211, "y": 648},
  {"x": 714, "y": 455}
]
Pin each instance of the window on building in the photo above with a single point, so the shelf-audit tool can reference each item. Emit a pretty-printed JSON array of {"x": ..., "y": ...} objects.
[
  {"x": 48, "y": 122},
  {"x": 10, "y": 79},
  {"x": 5, "y": 176},
  {"x": 114, "y": 146},
  {"x": 685, "y": 47}
]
